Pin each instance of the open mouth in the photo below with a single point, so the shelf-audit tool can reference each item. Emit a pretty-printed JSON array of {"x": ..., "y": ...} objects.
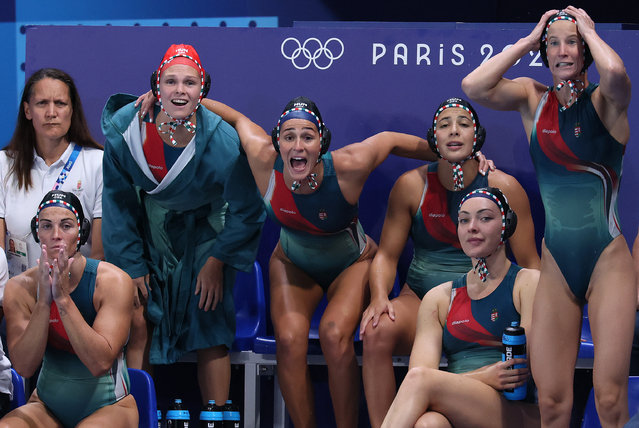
[
  {"x": 298, "y": 164},
  {"x": 179, "y": 103}
]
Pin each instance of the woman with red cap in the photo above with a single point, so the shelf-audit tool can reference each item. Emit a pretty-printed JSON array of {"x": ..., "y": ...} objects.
[
  {"x": 182, "y": 214},
  {"x": 313, "y": 193},
  {"x": 578, "y": 133}
]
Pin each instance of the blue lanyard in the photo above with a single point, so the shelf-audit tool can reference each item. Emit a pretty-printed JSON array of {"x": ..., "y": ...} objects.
[{"x": 67, "y": 167}]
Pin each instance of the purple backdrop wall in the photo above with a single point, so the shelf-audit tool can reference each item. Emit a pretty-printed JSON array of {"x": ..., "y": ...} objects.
[{"x": 378, "y": 79}]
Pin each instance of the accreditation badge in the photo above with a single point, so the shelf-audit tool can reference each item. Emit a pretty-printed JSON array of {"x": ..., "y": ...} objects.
[{"x": 17, "y": 257}]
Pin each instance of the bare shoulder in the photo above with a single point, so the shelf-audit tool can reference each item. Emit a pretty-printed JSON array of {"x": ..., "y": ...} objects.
[
  {"x": 409, "y": 187},
  {"x": 112, "y": 278},
  {"x": 261, "y": 147},
  {"x": 508, "y": 184},
  {"x": 501, "y": 179},
  {"x": 534, "y": 90},
  {"x": 415, "y": 176},
  {"x": 352, "y": 157},
  {"x": 527, "y": 278},
  {"x": 438, "y": 296},
  {"x": 532, "y": 87},
  {"x": 436, "y": 302},
  {"x": 23, "y": 286}
]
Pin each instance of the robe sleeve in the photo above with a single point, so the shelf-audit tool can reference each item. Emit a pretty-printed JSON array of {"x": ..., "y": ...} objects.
[
  {"x": 238, "y": 242},
  {"x": 121, "y": 210}
]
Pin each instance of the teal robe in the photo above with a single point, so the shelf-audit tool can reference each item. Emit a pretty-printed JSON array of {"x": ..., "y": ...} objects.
[{"x": 207, "y": 205}]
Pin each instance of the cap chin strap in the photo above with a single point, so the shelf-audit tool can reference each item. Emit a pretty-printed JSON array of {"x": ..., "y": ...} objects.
[
  {"x": 311, "y": 180},
  {"x": 174, "y": 123},
  {"x": 575, "y": 91},
  {"x": 481, "y": 269},
  {"x": 458, "y": 175}
]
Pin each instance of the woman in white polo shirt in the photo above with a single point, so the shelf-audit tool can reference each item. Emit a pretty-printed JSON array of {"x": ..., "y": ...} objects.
[{"x": 51, "y": 148}]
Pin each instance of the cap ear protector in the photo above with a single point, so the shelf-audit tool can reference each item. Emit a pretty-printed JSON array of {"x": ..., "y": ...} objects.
[
  {"x": 205, "y": 89},
  {"x": 509, "y": 216},
  {"x": 303, "y": 107},
  {"x": 543, "y": 41},
  {"x": 65, "y": 200},
  {"x": 480, "y": 131}
]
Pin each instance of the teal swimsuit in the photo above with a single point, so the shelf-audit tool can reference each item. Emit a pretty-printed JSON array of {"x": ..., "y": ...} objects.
[
  {"x": 438, "y": 257},
  {"x": 578, "y": 165},
  {"x": 65, "y": 384},
  {"x": 321, "y": 233},
  {"x": 472, "y": 334}
]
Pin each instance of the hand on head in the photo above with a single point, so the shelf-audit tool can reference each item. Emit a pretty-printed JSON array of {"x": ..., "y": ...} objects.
[
  {"x": 584, "y": 22},
  {"x": 540, "y": 28}
]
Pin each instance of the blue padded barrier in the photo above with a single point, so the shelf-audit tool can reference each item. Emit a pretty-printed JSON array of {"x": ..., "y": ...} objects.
[
  {"x": 143, "y": 390},
  {"x": 250, "y": 308},
  {"x": 586, "y": 347},
  {"x": 591, "y": 418},
  {"x": 18, "y": 390},
  {"x": 266, "y": 344}
]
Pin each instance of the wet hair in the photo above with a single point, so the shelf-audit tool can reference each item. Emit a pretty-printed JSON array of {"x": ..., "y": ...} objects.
[
  {"x": 23, "y": 141},
  {"x": 303, "y": 108},
  {"x": 543, "y": 40}
]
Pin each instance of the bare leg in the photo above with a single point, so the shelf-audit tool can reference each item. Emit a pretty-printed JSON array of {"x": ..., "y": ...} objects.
[
  {"x": 32, "y": 415},
  {"x": 346, "y": 299},
  {"x": 554, "y": 343},
  {"x": 432, "y": 420},
  {"x": 464, "y": 401},
  {"x": 612, "y": 291},
  {"x": 123, "y": 414},
  {"x": 380, "y": 344},
  {"x": 294, "y": 297},
  {"x": 137, "y": 351},
  {"x": 214, "y": 373}
]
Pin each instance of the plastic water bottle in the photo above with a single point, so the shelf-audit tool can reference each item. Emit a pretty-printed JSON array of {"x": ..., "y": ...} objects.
[
  {"x": 514, "y": 346},
  {"x": 211, "y": 416},
  {"x": 231, "y": 415},
  {"x": 177, "y": 416}
]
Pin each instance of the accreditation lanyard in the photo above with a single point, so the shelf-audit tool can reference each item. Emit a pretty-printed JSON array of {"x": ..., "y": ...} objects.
[{"x": 67, "y": 167}]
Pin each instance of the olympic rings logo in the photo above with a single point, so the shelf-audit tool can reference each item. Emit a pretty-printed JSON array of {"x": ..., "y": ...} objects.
[{"x": 312, "y": 51}]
